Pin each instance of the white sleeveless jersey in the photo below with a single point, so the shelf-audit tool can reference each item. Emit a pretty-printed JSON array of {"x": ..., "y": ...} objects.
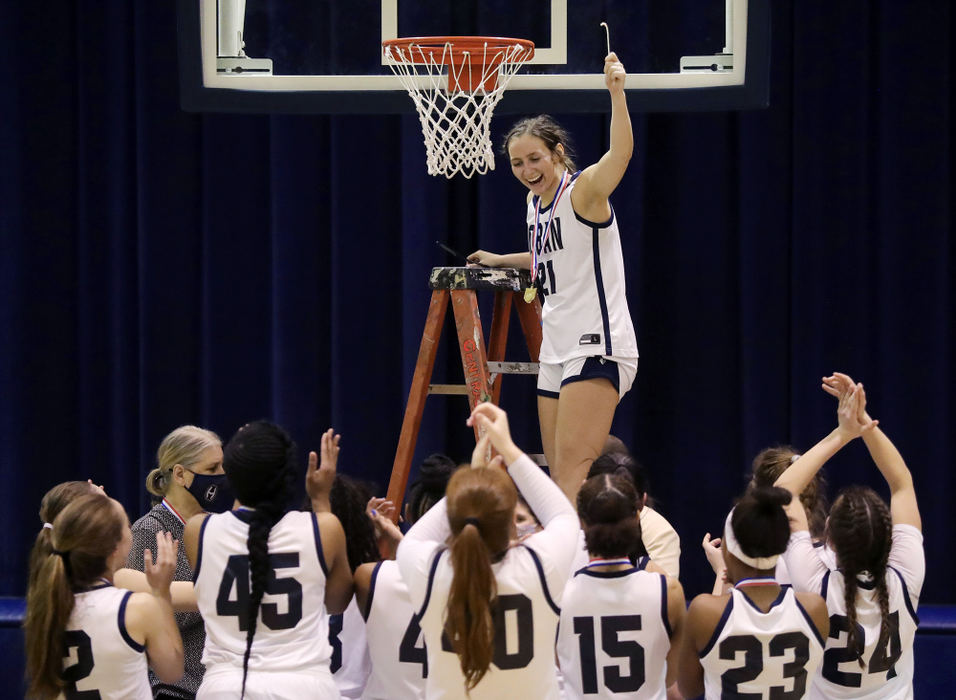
[
  {"x": 350, "y": 661},
  {"x": 292, "y": 630},
  {"x": 614, "y": 635},
  {"x": 887, "y": 671},
  {"x": 580, "y": 278},
  {"x": 396, "y": 647},
  {"x": 526, "y": 619},
  {"x": 771, "y": 654},
  {"x": 100, "y": 657}
]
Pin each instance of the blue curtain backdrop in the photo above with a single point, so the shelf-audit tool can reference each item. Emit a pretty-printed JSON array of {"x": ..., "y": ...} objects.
[{"x": 161, "y": 268}]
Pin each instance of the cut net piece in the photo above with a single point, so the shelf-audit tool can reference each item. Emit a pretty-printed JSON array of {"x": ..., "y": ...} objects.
[{"x": 455, "y": 83}]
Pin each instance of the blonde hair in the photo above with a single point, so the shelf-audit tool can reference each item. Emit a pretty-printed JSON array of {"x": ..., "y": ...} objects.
[{"x": 184, "y": 446}]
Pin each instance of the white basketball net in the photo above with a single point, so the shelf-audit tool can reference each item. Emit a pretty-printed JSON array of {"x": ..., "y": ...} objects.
[{"x": 455, "y": 123}]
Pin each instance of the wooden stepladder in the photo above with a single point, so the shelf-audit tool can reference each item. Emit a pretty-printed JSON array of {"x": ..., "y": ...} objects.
[{"x": 483, "y": 365}]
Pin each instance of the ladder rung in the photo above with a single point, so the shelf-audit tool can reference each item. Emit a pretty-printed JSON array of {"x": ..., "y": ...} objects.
[
  {"x": 513, "y": 367},
  {"x": 461, "y": 389},
  {"x": 539, "y": 460}
]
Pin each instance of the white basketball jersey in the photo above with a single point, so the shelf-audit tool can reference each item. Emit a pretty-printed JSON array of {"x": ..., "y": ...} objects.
[
  {"x": 526, "y": 619},
  {"x": 614, "y": 635},
  {"x": 292, "y": 629},
  {"x": 771, "y": 654},
  {"x": 397, "y": 646},
  {"x": 887, "y": 670},
  {"x": 580, "y": 278},
  {"x": 350, "y": 661},
  {"x": 100, "y": 657}
]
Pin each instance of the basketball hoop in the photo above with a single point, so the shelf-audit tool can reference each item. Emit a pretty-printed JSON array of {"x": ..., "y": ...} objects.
[{"x": 455, "y": 83}]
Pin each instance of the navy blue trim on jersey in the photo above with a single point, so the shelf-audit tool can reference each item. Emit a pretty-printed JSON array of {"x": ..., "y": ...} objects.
[
  {"x": 608, "y": 574},
  {"x": 431, "y": 581},
  {"x": 121, "y": 621},
  {"x": 779, "y": 599},
  {"x": 244, "y": 516},
  {"x": 718, "y": 629},
  {"x": 665, "y": 618},
  {"x": 824, "y": 585},
  {"x": 594, "y": 224},
  {"x": 642, "y": 563},
  {"x": 809, "y": 620},
  {"x": 544, "y": 581},
  {"x": 318, "y": 545},
  {"x": 599, "y": 283},
  {"x": 371, "y": 591},
  {"x": 597, "y": 368},
  {"x": 202, "y": 532},
  {"x": 906, "y": 596},
  {"x": 549, "y": 394},
  {"x": 97, "y": 587}
]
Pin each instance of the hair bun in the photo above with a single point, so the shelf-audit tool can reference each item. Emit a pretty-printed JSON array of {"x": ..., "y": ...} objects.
[{"x": 435, "y": 470}]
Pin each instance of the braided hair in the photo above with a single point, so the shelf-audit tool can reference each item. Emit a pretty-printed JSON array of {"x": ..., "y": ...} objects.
[
  {"x": 260, "y": 465},
  {"x": 861, "y": 533}
]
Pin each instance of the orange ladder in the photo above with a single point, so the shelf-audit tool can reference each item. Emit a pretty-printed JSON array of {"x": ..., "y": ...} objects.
[{"x": 482, "y": 366}]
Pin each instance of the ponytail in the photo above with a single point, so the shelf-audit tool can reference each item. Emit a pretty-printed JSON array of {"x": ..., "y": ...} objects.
[
  {"x": 469, "y": 622},
  {"x": 481, "y": 504},
  {"x": 70, "y": 555}
]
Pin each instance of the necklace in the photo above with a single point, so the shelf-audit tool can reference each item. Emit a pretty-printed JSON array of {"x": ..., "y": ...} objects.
[{"x": 532, "y": 291}]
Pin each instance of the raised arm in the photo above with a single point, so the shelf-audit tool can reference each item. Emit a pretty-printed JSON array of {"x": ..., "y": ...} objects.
[
  {"x": 320, "y": 476},
  {"x": 596, "y": 182},
  {"x": 887, "y": 458},
  {"x": 852, "y": 422}
]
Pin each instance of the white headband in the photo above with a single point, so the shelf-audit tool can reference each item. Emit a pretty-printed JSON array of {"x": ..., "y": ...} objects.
[{"x": 733, "y": 546}]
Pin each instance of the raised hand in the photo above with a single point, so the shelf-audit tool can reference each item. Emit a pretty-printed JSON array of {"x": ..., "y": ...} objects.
[
  {"x": 320, "y": 476},
  {"x": 852, "y": 417},
  {"x": 614, "y": 73},
  {"x": 494, "y": 423},
  {"x": 160, "y": 574},
  {"x": 715, "y": 557}
]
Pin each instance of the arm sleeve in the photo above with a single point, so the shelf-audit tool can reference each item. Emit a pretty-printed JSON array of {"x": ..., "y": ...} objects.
[
  {"x": 144, "y": 537},
  {"x": 806, "y": 567},
  {"x": 555, "y": 542},
  {"x": 907, "y": 557},
  {"x": 417, "y": 549}
]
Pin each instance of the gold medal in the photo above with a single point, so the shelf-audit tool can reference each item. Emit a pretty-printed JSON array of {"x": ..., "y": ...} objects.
[{"x": 529, "y": 294}]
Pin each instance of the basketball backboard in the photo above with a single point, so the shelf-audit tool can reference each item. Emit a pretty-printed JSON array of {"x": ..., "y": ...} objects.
[{"x": 326, "y": 57}]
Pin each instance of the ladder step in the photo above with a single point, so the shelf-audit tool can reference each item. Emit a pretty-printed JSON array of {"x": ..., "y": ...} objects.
[
  {"x": 456, "y": 389},
  {"x": 513, "y": 367}
]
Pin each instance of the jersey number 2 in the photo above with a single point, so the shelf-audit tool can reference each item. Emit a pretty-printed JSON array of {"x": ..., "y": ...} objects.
[
  {"x": 79, "y": 640},
  {"x": 237, "y": 574}
]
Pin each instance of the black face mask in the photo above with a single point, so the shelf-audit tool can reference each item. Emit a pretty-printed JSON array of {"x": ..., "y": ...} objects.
[{"x": 212, "y": 491}]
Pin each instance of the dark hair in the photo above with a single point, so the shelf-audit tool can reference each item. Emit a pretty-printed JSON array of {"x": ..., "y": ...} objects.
[
  {"x": 260, "y": 465},
  {"x": 430, "y": 486},
  {"x": 348, "y": 499},
  {"x": 861, "y": 533},
  {"x": 549, "y": 131},
  {"x": 85, "y": 533},
  {"x": 614, "y": 444},
  {"x": 623, "y": 464},
  {"x": 607, "y": 506},
  {"x": 771, "y": 462},
  {"x": 481, "y": 504},
  {"x": 760, "y": 523}
]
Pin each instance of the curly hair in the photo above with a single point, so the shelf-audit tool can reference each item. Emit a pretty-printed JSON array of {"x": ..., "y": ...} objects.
[{"x": 348, "y": 499}]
